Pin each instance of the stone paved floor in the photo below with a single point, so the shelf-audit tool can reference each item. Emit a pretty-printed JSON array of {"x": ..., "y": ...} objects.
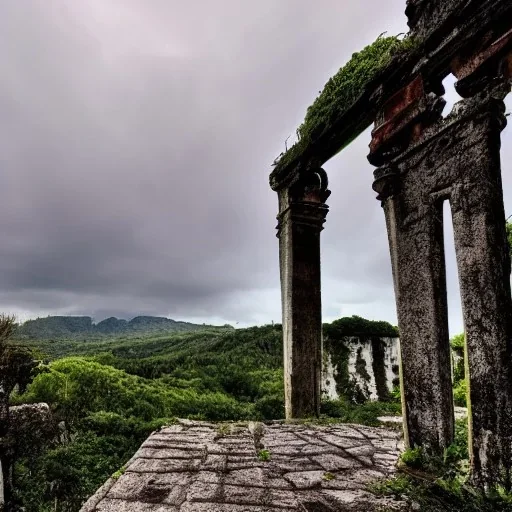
[{"x": 204, "y": 467}]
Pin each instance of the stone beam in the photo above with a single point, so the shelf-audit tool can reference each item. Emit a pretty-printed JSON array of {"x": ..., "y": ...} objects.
[{"x": 302, "y": 213}]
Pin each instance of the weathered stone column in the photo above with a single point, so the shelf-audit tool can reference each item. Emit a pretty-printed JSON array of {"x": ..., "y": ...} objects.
[
  {"x": 484, "y": 274},
  {"x": 414, "y": 219},
  {"x": 417, "y": 254},
  {"x": 301, "y": 218}
]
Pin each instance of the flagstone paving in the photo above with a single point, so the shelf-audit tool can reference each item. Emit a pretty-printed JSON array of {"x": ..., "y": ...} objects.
[{"x": 206, "y": 467}]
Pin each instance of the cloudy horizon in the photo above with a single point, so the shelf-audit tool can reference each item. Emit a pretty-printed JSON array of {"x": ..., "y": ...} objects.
[{"x": 136, "y": 140}]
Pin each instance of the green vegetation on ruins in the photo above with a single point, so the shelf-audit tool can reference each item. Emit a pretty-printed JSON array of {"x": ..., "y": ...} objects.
[
  {"x": 342, "y": 90},
  {"x": 434, "y": 484}
]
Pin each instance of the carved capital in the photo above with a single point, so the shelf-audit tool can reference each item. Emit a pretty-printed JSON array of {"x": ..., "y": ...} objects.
[
  {"x": 303, "y": 203},
  {"x": 387, "y": 182},
  {"x": 310, "y": 187}
]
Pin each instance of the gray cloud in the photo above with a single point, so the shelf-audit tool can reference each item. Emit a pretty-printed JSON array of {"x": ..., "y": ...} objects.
[{"x": 136, "y": 139}]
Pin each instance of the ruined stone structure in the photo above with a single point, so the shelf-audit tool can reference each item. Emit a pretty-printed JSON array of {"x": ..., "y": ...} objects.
[
  {"x": 205, "y": 467},
  {"x": 423, "y": 160}
]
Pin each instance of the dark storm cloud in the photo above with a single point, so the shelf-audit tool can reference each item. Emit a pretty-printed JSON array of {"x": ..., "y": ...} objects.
[{"x": 136, "y": 138}]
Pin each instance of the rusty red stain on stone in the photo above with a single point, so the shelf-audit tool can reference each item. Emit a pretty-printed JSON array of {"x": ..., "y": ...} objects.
[
  {"x": 462, "y": 67},
  {"x": 398, "y": 112}
]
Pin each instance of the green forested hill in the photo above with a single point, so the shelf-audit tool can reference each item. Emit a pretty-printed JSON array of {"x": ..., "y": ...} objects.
[{"x": 82, "y": 327}]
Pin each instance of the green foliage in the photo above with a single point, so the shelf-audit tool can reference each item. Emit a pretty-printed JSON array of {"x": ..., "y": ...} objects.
[
  {"x": 460, "y": 393},
  {"x": 82, "y": 327},
  {"x": 75, "y": 387},
  {"x": 363, "y": 414},
  {"x": 120, "y": 472},
  {"x": 442, "y": 495},
  {"x": 264, "y": 455},
  {"x": 413, "y": 457},
  {"x": 328, "y": 477},
  {"x": 110, "y": 394},
  {"x": 459, "y": 376},
  {"x": 361, "y": 365},
  {"x": 343, "y": 89},
  {"x": 457, "y": 342},
  {"x": 440, "y": 483},
  {"x": 359, "y": 327},
  {"x": 69, "y": 473},
  {"x": 337, "y": 337}
]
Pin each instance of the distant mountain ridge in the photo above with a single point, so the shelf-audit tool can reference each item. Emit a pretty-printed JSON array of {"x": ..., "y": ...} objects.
[{"x": 83, "y": 326}]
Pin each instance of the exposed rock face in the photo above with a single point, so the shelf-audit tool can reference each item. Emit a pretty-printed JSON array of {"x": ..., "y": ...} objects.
[
  {"x": 202, "y": 467},
  {"x": 360, "y": 369},
  {"x": 30, "y": 428},
  {"x": 29, "y": 423}
]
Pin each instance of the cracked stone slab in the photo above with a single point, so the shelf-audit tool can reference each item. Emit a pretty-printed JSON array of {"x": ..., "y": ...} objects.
[{"x": 203, "y": 467}]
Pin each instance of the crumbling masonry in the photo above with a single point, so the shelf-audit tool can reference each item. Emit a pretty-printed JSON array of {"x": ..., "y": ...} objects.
[{"x": 423, "y": 160}]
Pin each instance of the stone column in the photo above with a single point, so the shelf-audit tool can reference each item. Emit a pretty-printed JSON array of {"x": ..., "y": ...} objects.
[
  {"x": 414, "y": 219},
  {"x": 484, "y": 274},
  {"x": 417, "y": 257},
  {"x": 300, "y": 221}
]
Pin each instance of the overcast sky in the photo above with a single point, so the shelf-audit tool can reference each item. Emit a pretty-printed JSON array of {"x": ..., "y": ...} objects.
[{"x": 136, "y": 139}]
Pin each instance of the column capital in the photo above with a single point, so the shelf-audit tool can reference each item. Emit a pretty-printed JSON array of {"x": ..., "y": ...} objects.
[
  {"x": 303, "y": 203},
  {"x": 386, "y": 182},
  {"x": 307, "y": 214}
]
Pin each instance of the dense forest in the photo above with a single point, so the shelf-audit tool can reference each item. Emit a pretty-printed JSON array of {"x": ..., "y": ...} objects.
[{"x": 107, "y": 393}]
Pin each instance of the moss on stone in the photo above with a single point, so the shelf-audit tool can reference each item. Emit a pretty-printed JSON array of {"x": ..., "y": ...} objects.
[
  {"x": 361, "y": 366},
  {"x": 379, "y": 368},
  {"x": 340, "y": 354},
  {"x": 342, "y": 90}
]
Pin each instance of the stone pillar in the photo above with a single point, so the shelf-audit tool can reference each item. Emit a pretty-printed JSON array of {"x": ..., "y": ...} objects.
[
  {"x": 484, "y": 274},
  {"x": 417, "y": 256},
  {"x": 456, "y": 159},
  {"x": 414, "y": 219},
  {"x": 300, "y": 221}
]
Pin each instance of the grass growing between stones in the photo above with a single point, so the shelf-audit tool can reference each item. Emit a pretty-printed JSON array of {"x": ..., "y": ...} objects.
[
  {"x": 119, "y": 473},
  {"x": 264, "y": 455},
  {"x": 435, "y": 484}
]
